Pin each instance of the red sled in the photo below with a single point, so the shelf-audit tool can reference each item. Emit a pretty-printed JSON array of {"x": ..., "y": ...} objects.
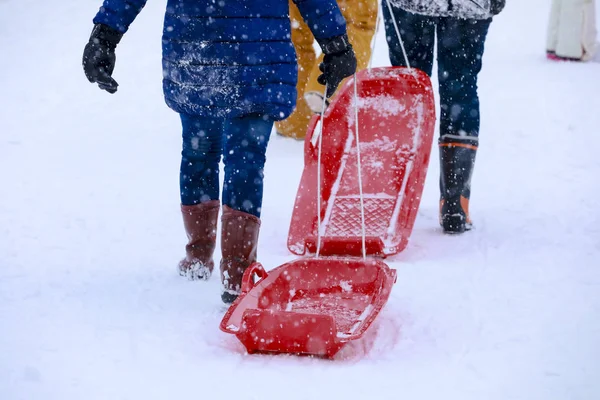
[
  {"x": 314, "y": 306},
  {"x": 396, "y": 118},
  {"x": 311, "y": 306}
]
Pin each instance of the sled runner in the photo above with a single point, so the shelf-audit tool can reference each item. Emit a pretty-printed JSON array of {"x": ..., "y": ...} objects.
[
  {"x": 396, "y": 116},
  {"x": 311, "y": 306}
]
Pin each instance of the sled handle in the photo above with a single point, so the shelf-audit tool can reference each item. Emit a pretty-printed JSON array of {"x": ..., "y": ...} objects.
[{"x": 248, "y": 278}]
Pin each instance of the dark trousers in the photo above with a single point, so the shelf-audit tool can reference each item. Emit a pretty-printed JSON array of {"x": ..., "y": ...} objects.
[
  {"x": 243, "y": 144},
  {"x": 460, "y": 45}
]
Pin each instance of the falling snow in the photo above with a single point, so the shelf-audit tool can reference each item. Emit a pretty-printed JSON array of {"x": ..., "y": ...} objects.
[{"x": 91, "y": 305}]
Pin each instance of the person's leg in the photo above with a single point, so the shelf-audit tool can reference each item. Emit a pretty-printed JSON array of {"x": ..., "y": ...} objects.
[
  {"x": 418, "y": 35},
  {"x": 361, "y": 18},
  {"x": 552, "y": 31},
  {"x": 246, "y": 142},
  {"x": 296, "y": 124},
  {"x": 460, "y": 52},
  {"x": 571, "y": 34},
  {"x": 200, "y": 157},
  {"x": 199, "y": 189},
  {"x": 590, "y": 34}
]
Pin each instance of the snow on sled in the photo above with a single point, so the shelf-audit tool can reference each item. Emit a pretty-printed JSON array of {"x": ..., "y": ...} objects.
[
  {"x": 396, "y": 119},
  {"x": 310, "y": 306}
]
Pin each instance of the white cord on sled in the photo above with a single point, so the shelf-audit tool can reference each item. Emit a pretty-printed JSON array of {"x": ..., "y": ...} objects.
[
  {"x": 320, "y": 138},
  {"x": 359, "y": 170},
  {"x": 389, "y": 6},
  {"x": 360, "y": 187}
]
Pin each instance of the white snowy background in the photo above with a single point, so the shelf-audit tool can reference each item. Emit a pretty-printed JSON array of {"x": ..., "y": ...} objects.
[{"x": 90, "y": 233}]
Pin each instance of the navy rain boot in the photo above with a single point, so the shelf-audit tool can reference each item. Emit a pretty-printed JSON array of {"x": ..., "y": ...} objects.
[{"x": 457, "y": 159}]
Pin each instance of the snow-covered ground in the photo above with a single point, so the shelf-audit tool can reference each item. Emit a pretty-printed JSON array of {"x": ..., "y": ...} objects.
[{"x": 90, "y": 233}]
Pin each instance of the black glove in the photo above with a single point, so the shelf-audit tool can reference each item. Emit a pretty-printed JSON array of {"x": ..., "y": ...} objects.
[
  {"x": 99, "y": 57},
  {"x": 496, "y": 6},
  {"x": 339, "y": 62}
]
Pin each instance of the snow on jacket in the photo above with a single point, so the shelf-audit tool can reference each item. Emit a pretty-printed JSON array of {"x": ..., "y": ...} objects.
[
  {"x": 229, "y": 58},
  {"x": 468, "y": 9}
]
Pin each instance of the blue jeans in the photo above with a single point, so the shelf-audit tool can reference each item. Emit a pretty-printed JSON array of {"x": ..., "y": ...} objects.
[
  {"x": 460, "y": 45},
  {"x": 243, "y": 144}
]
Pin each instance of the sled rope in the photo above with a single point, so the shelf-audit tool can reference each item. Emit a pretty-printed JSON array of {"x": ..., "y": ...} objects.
[
  {"x": 359, "y": 170},
  {"x": 389, "y": 6},
  {"x": 320, "y": 146},
  {"x": 479, "y": 5}
]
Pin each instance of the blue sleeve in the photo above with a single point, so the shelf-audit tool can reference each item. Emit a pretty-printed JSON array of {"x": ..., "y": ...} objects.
[
  {"x": 119, "y": 14},
  {"x": 323, "y": 17}
]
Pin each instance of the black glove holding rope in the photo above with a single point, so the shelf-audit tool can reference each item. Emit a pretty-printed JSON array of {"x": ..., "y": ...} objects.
[
  {"x": 339, "y": 62},
  {"x": 99, "y": 57}
]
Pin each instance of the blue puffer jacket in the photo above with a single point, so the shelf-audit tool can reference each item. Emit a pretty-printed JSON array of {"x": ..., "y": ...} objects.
[{"x": 229, "y": 58}]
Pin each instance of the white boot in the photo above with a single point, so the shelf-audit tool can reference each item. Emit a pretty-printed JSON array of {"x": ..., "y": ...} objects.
[{"x": 572, "y": 29}]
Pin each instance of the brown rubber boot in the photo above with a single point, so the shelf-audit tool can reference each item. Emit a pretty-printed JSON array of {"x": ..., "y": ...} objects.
[
  {"x": 200, "y": 222},
  {"x": 239, "y": 242}
]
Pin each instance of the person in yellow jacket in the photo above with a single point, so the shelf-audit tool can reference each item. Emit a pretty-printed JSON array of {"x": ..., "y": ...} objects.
[{"x": 361, "y": 18}]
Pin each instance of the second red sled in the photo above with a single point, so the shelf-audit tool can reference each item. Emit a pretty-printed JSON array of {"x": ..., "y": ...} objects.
[
  {"x": 311, "y": 306},
  {"x": 396, "y": 121}
]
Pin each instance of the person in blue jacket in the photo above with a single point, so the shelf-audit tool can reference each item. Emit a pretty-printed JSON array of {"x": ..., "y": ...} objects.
[{"x": 230, "y": 71}]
